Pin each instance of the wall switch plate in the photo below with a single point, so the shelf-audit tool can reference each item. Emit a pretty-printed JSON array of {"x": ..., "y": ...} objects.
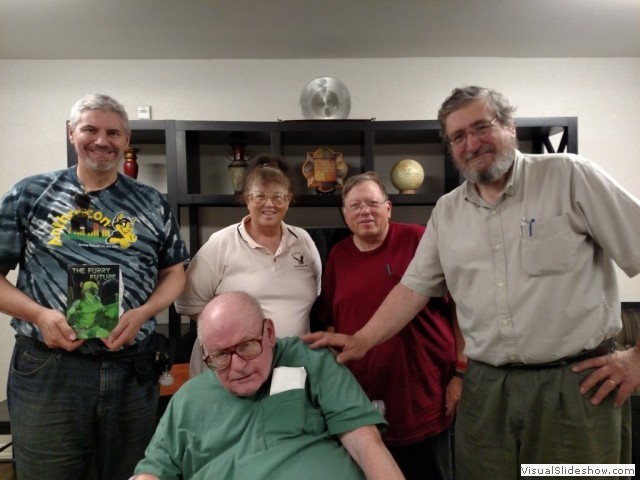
[{"x": 144, "y": 112}]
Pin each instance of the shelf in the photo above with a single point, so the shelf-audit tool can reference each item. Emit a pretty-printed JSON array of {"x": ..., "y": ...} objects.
[
  {"x": 301, "y": 201},
  {"x": 204, "y": 200},
  {"x": 148, "y": 131},
  {"x": 412, "y": 131},
  {"x": 196, "y": 154}
]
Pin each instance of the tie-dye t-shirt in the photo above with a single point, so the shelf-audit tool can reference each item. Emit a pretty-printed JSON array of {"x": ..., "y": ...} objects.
[{"x": 45, "y": 227}]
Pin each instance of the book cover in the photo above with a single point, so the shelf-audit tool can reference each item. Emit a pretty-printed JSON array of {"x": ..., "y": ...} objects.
[{"x": 94, "y": 295}]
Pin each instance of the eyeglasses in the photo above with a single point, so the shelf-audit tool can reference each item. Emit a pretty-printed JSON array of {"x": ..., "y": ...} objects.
[
  {"x": 370, "y": 204},
  {"x": 480, "y": 130},
  {"x": 247, "y": 350},
  {"x": 277, "y": 198}
]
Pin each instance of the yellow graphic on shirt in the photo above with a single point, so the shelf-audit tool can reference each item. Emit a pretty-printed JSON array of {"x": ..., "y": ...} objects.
[
  {"x": 123, "y": 233},
  {"x": 93, "y": 227}
]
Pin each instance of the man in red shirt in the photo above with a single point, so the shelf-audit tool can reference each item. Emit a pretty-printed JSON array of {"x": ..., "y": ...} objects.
[{"x": 413, "y": 371}]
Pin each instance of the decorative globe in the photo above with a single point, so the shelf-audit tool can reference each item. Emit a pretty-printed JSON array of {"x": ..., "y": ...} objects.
[{"x": 407, "y": 175}]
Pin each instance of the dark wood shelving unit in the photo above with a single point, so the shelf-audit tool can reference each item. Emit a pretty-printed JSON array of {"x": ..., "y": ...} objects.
[{"x": 184, "y": 140}]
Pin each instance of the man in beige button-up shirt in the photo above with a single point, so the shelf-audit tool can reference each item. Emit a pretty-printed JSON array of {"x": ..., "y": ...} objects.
[{"x": 526, "y": 247}]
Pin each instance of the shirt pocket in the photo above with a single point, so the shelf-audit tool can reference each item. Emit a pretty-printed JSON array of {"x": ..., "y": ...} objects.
[
  {"x": 550, "y": 247},
  {"x": 284, "y": 416}
]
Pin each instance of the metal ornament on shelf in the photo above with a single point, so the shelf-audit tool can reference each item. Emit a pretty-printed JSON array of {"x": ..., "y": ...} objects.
[
  {"x": 238, "y": 167},
  {"x": 325, "y": 98},
  {"x": 324, "y": 170},
  {"x": 130, "y": 166}
]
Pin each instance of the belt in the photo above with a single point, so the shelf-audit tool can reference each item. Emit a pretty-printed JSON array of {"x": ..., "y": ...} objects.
[
  {"x": 606, "y": 347},
  {"x": 126, "y": 353},
  {"x": 140, "y": 358}
]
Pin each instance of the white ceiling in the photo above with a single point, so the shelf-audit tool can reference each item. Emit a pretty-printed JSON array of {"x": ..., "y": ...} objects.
[{"x": 287, "y": 29}]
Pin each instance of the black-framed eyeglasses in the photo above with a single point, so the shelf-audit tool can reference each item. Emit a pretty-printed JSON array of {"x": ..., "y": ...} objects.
[
  {"x": 370, "y": 204},
  {"x": 247, "y": 350},
  {"x": 278, "y": 198},
  {"x": 82, "y": 201},
  {"x": 479, "y": 130}
]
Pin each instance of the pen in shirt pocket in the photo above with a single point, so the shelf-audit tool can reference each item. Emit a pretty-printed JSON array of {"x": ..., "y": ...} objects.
[
  {"x": 526, "y": 227},
  {"x": 387, "y": 269}
]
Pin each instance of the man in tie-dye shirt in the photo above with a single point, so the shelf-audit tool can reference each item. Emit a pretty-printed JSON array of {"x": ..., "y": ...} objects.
[{"x": 85, "y": 408}]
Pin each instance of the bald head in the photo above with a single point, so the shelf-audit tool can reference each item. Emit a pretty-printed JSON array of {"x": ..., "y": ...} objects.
[
  {"x": 232, "y": 319},
  {"x": 232, "y": 309}
]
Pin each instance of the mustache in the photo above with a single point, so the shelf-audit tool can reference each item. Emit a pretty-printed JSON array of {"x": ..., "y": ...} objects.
[
  {"x": 103, "y": 149},
  {"x": 484, "y": 149}
]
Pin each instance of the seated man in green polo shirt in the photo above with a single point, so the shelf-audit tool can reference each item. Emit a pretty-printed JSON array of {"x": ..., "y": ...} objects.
[{"x": 269, "y": 408}]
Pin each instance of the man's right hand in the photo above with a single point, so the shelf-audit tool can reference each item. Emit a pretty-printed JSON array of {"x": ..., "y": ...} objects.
[
  {"x": 56, "y": 331},
  {"x": 399, "y": 307},
  {"x": 348, "y": 347}
]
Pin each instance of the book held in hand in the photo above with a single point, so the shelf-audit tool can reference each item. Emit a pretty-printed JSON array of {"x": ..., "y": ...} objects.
[{"x": 94, "y": 295}]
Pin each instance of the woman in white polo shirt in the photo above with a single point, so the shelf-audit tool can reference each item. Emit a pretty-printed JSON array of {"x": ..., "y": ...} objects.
[{"x": 276, "y": 263}]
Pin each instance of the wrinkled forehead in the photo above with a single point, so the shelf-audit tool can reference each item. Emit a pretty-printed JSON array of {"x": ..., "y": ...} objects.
[
  {"x": 468, "y": 114},
  {"x": 220, "y": 333},
  {"x": 366, "y": 188},
  {"x": 107, "y": 119}
]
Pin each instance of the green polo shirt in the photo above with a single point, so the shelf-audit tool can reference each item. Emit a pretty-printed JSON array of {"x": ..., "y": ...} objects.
[{"x": 208, "y": 433}]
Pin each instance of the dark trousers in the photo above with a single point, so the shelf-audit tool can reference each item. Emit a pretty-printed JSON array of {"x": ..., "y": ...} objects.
[
  {"x": 75, "y": 418},
  {"x": 429, "y": 459}
]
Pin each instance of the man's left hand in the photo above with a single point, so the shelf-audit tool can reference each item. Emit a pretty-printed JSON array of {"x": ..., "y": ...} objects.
[
  {"x": 618, "y": 372},
  {"x": 125, "y": 332},
  {"x": 454, "y": 391}
]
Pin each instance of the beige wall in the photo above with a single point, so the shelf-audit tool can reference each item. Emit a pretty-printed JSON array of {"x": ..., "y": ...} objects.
[{"x": 36, "y": 96}]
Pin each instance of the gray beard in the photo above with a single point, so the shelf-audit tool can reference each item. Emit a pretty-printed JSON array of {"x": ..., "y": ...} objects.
[
  {"x": 498, "y": 168},
  {"x": 102, "y": 167}
]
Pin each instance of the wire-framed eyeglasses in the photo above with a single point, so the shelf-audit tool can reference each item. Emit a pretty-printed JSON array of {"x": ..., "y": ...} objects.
[
  {"x": 277, "y": 198},
  {"x": 355, "y": 207},
  {"x": 247, "y": 350},
  {"x": 479, "y": 130}
]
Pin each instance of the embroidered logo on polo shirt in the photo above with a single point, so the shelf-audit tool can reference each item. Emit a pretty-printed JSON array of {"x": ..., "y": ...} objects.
[{"x": 299, "y": 258}]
